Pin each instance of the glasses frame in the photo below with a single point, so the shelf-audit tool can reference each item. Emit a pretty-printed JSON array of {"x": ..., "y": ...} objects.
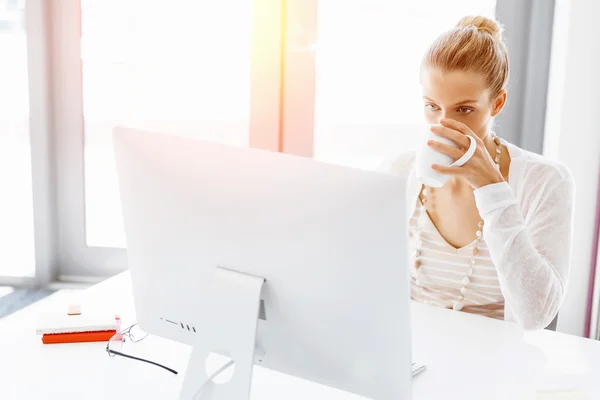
[{"x": 126, "y": 333}]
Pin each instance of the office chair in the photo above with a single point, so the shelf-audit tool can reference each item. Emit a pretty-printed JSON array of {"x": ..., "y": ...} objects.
[{"x": 552, "y": 325}]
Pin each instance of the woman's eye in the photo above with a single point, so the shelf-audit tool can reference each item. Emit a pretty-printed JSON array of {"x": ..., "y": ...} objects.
[
  {"x": 465, "y": 110},
  {"x": 431, "y": 107}
]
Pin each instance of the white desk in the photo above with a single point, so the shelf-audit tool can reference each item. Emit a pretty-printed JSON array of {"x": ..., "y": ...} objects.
[{"x": 467, "y": 357}]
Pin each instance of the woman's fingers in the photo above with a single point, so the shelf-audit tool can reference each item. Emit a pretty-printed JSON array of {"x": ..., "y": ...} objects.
[
  {"x": 457, "y": 126},
  {"x": 460, "y": 127},
  {"x": 452, "y": 171},
  {"x": 443, "y": 148},
  {"x": 457, "y": 137}
]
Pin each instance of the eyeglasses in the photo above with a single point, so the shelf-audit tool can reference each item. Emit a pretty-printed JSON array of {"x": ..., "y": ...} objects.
[{"x": 115, "y": 343}]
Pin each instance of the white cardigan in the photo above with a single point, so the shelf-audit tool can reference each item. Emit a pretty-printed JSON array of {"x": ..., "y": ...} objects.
[{"x": 528, "y": 229}]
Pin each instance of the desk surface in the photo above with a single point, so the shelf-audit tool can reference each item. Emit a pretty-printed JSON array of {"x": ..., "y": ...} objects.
[{"x": 467, "y": 357}]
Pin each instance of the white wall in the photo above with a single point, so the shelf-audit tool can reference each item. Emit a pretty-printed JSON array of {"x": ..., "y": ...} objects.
[{"x": 574, "y": 137}]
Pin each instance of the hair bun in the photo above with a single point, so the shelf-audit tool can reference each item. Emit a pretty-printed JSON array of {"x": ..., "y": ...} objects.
[{"x": 483, "y": 24}]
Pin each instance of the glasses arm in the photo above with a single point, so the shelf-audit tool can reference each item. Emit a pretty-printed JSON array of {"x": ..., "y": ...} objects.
[{"x": 118, "y": 353}]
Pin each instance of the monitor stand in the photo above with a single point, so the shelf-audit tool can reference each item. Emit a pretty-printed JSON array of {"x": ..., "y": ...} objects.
[{"x": 231, "y": 327}]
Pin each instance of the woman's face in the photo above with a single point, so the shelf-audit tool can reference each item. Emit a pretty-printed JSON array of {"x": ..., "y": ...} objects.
[{"x": 462, "y": 96}]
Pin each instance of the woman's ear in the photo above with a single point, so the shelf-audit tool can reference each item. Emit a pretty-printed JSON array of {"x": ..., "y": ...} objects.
[{"x": 499, "y": 103}]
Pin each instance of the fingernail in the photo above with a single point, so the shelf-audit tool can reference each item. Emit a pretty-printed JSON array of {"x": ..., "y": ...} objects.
[
  {"x": 430, "y": 142},
  {"x": 433, "y": 166}
]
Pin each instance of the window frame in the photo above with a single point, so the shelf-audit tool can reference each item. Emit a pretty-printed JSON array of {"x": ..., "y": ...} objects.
[
  {"x": 77, "y": 261},
  {"x": 42, "y": 155},
  {"x": 528, "y": 35}
]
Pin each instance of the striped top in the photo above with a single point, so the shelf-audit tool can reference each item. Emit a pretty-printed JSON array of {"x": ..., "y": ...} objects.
[{"x": 443, "y": 267}]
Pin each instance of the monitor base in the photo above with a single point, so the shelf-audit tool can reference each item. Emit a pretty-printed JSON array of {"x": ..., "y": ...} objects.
[{"x": 230, "y": 330}]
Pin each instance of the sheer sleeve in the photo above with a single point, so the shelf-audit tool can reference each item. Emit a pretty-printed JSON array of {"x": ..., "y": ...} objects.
[{"x": 532, "y": 253}]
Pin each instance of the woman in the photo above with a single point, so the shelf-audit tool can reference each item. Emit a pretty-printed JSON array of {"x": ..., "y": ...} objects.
[{"x": 495, "y": 240}]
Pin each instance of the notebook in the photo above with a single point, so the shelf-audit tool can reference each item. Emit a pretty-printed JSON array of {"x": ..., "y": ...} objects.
[
  {"x": 100, "y": 336},
  {"x": 63, "y": 323}
]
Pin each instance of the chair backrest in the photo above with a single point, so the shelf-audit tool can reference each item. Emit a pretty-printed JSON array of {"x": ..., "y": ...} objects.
[{"x": 552, "y": 325}]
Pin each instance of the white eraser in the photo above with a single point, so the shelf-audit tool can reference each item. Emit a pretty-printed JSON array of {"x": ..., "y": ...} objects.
[{"x": 74, "y": 309}]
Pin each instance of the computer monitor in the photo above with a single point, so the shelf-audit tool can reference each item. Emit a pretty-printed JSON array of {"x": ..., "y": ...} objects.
[{"x": 272, "y": 259}]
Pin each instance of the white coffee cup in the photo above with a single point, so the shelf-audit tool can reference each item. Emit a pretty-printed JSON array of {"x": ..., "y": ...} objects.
[{"x": 426, "y": 157}]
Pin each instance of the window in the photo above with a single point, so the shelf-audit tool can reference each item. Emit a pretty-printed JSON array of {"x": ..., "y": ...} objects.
[
  {"x": 17, "y": 257},
  {"x": 174, "y": 66}
]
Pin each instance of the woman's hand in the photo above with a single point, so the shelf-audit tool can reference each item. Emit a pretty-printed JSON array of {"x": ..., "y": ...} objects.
[{"x": 480, "y": 170}]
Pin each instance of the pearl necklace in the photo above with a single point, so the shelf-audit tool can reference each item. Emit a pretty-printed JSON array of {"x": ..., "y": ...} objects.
[{"x": 458, "y": 305}]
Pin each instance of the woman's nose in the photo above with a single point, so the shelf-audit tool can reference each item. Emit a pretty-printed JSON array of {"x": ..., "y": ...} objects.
[
  {"x": 435, "y": 118},
  {"x": 444, "y": 114},
  {"x": 441, "y": 115},
  {"x": 438, "y": 117}
]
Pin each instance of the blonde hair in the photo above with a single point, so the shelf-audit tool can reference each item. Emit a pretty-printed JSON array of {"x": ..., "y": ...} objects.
[{"x": 474, "y": 45}]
